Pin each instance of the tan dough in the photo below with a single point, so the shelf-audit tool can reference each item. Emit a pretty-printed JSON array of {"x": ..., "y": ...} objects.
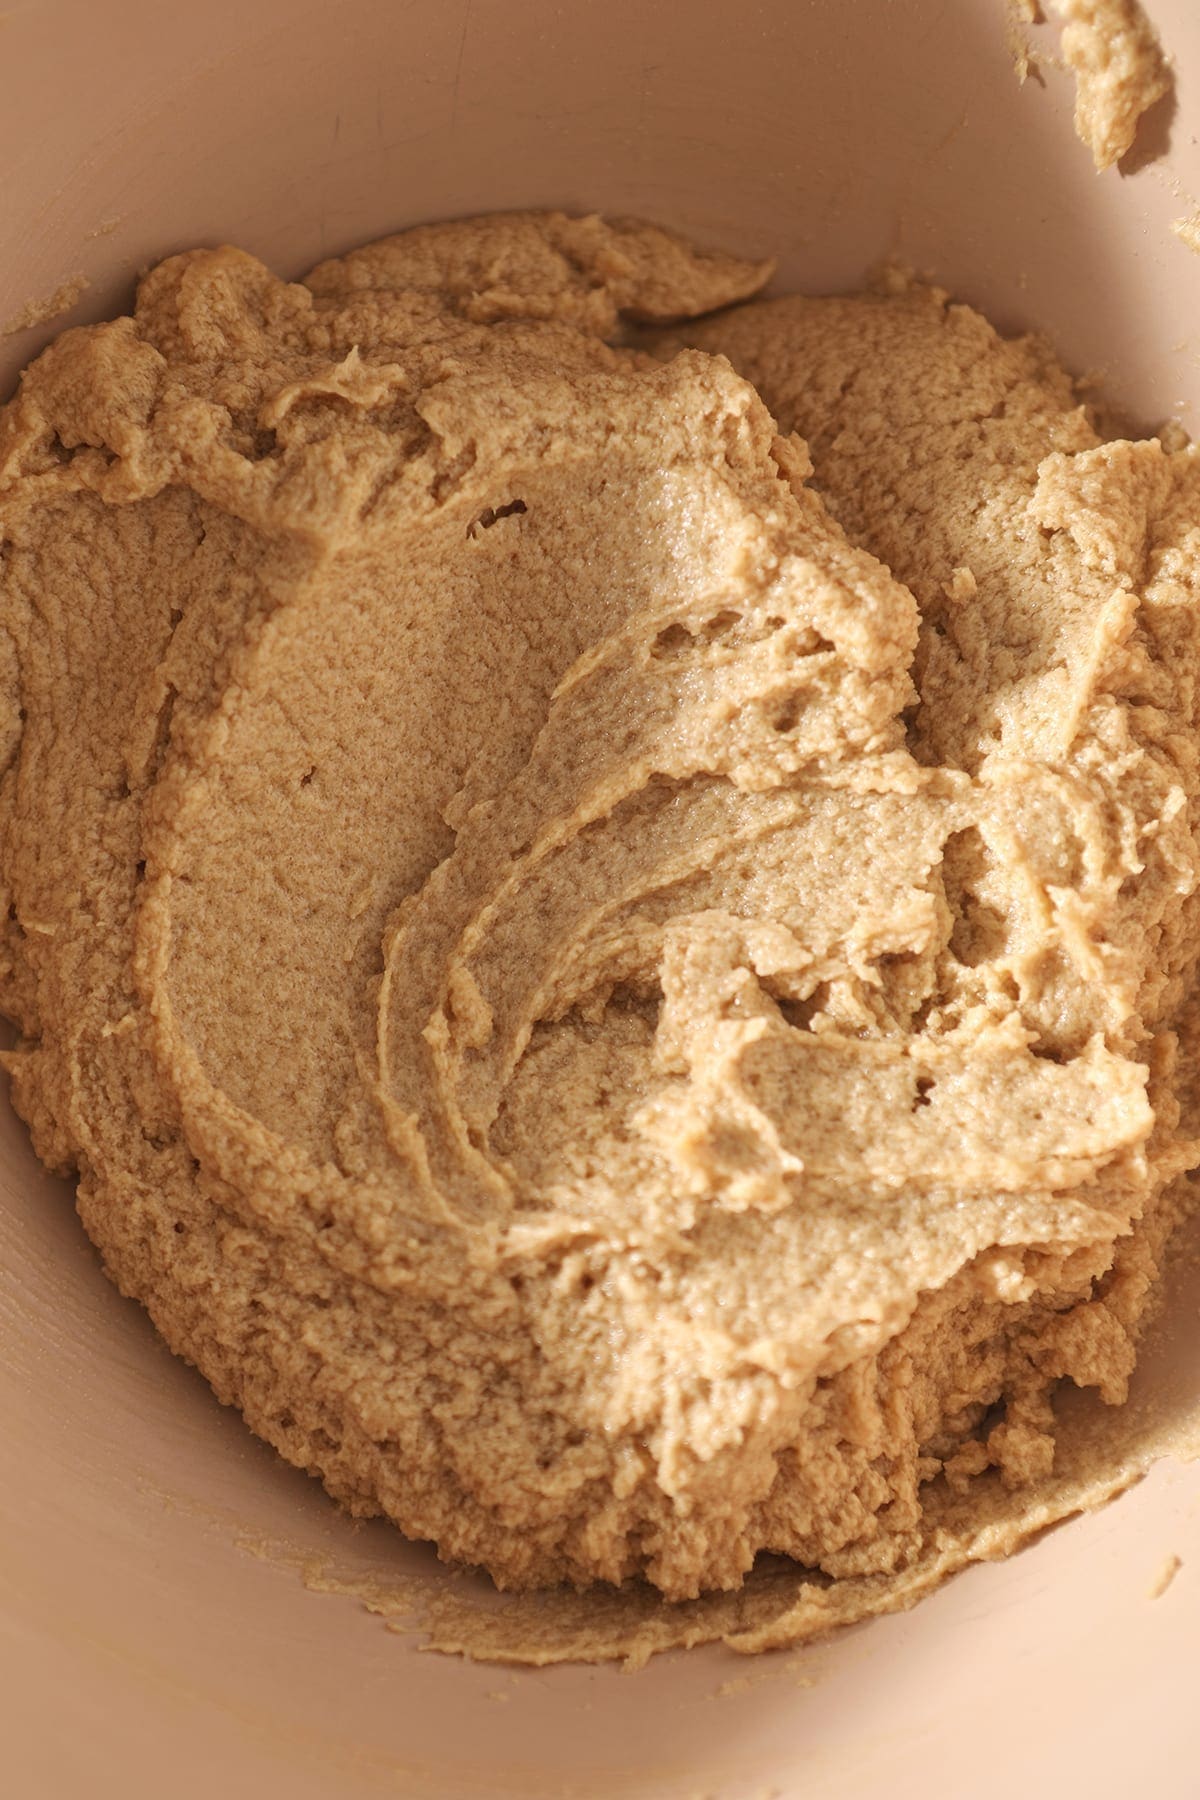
[
  {"x": 40, "y": 312},
  {"x": 1120, "y": 72},
  {"x": 622, "y": 1003}
]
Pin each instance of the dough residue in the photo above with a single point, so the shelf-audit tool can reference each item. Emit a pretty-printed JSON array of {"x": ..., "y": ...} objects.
[
  {"x": 1187, "y": 230},
  {"x": 40, "y": 312},
  {"x": 1166, "y": 1575},
  {"x": 1017, "y": 15},
  {"x": 604, "y": 902},
  {"x": 1120, "y": 72}
]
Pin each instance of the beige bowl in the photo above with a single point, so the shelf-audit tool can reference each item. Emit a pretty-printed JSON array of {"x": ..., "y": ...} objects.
[{"x": 144, "y": 1650}]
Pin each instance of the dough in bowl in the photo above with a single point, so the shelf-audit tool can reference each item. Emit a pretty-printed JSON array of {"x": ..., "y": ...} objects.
[{"x": 602, "y": 892}]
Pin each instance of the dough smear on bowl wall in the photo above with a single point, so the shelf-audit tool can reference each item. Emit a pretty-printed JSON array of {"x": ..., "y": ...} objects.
[{"x": 601, "y": 889}]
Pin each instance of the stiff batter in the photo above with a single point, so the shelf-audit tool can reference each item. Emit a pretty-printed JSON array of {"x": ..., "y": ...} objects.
[{"x": 609, "y": 934}]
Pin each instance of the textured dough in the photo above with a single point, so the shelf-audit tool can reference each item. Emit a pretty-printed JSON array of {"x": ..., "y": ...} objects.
[
  {"x": 1114, "y": 54},
  {"x": 625, "y": 1004},
  {"x": 1120, "y": 72}
]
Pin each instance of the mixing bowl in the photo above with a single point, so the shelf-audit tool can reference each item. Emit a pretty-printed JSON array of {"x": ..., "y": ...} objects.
[{"x": 162, "y": 1627}]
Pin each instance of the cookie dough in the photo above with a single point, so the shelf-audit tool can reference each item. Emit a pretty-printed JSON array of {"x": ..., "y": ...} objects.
[
  {"x": 605, "y": 907},
  {"x": 1118, "y": 64},
  {"x": 1112, "y": 50}
]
